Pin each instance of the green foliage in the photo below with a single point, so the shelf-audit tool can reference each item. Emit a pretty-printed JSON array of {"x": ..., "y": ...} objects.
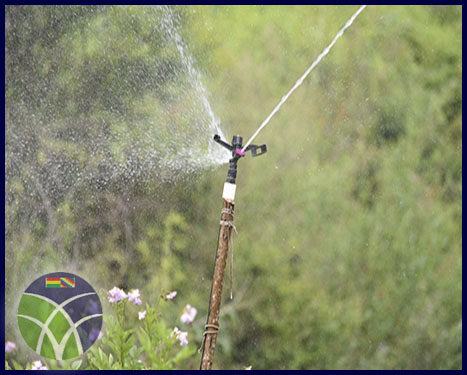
[
  {"x": 148, "y": 346},
  {"x": 349, "y": 247},
  {"x": 357, "y": 206}
]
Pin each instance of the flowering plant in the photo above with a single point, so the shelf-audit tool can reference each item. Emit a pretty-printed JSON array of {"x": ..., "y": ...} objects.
[{"x": 151, "y": 345}]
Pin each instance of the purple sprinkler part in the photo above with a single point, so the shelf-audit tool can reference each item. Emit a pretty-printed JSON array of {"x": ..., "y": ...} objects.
[{"x": 239, "y": 151}]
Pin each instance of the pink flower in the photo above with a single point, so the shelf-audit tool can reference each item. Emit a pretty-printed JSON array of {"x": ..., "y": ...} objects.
[
  {"x": 248, "y": 368},
  {"x": 171, "y": 295},
  {"x": 180, "y": 335},
  {"x": 188, "y": 314},
  {"x": 175, "y": 332},
  {"x": 134, "y": 296},
  {"x": 9, "y": 347},
  {"x": 116, "y": 294},
  {"x": 142, "y": 315},
  {"x": 37, "y": 365}
]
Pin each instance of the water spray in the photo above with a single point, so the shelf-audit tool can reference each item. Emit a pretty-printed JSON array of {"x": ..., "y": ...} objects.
[
  {"x": 300, "y": 80},
  {"x": 223, "y": 240}
]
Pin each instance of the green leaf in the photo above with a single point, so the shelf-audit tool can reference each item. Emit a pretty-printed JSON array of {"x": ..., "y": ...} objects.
[
  {"x": 17, "y": 366},
  {"x": 187, "y": 351},
  {"x": 76, "y": 364}
]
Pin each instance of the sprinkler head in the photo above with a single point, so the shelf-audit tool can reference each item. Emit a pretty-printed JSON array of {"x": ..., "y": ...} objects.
[
  {"x": 237, "y": 153},
  {"x": 236, "y": 147}
]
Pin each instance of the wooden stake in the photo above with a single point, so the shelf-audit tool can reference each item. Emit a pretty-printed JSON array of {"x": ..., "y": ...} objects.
[{"x": 212, "y": 325}]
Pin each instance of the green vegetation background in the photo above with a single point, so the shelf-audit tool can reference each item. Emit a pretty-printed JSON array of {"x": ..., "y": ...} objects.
[{"x": 349, "y": 247}]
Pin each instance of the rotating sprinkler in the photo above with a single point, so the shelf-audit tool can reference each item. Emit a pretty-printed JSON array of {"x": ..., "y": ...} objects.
[
  {"x": 223, "y": 240},
  {"x": 237, "y": 153}
]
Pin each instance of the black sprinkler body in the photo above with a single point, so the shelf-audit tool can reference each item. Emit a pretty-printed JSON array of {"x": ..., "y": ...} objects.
[{"x": 237, "y": 153}]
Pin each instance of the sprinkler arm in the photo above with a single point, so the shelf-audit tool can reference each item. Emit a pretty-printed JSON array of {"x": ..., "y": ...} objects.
[
  {"x": 218, "y": 139},
  {"x": 238, "y": 151}
]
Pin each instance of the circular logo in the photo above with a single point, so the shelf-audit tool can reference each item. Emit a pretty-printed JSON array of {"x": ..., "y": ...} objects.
[{"x": 60, "y": 316}]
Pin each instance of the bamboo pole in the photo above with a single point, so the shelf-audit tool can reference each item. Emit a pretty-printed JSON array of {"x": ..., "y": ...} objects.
[{"x": 212, "y": 324}]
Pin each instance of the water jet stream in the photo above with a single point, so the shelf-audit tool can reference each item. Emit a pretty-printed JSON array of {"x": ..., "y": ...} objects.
[{"x": 300, "y": 80}]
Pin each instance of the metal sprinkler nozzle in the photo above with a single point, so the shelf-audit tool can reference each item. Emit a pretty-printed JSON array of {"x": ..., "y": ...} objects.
[{"x": 237, "y": 153}]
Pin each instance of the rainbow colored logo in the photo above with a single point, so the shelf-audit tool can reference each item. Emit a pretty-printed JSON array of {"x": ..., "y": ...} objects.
[{"x": 59, "y": 282}]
